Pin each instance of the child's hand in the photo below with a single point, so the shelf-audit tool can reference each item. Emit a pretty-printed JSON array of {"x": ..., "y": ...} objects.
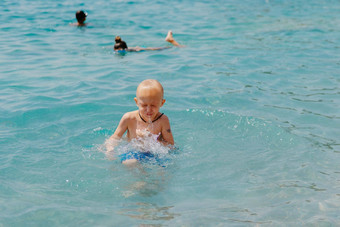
[
  {"x": 110, "y": 155},
  {"x": 110, "y": 145}
]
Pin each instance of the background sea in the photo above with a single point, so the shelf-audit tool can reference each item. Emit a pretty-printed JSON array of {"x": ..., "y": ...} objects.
[{"x": 253, "y": 100}]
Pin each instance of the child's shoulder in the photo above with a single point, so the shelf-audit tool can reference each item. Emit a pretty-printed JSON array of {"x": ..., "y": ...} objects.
[
  {"x": 164, "y": 118},
  {"x": 130, "y": 115}
]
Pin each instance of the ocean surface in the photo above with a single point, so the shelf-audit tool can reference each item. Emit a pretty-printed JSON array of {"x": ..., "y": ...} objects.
[{"x": 253, "y": 99}]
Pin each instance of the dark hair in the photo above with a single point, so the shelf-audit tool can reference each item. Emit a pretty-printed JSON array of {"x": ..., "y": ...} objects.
[
  {"x": 118, "y": 39},
  {"x": 80, "y": 15},
  {"x": 120, "y": 44}
]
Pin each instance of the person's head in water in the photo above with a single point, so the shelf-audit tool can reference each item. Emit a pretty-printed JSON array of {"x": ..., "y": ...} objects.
[
  {"x": 81, "y": 17},
  {"x": 120, "y": 44}
]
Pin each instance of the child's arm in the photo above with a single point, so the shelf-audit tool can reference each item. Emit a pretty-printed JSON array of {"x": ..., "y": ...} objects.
[
  {"x": 166, "y": 132},
  {"x": 117, "y": 135}
]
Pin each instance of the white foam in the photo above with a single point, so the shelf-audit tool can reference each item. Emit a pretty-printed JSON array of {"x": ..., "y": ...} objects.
[{"x": 146, "y": 142}]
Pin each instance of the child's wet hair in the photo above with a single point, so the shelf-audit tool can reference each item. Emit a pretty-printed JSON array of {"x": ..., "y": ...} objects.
[{"x": 150, "y": 83}]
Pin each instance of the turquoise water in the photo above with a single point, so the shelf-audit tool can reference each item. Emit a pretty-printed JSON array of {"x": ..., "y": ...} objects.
[{"x": 253, "y": 101}]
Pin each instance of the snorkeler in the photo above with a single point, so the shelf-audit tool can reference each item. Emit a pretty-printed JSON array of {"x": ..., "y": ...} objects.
[
  {"x": 81, "y": 17},
  {"x": 122, "y": 46}
]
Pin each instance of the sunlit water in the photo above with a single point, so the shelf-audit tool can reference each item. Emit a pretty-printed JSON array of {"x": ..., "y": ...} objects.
[{"x": 253, "y": 100}]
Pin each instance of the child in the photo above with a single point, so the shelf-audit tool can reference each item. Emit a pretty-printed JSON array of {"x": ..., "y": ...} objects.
[
  {"x": 121, "y": 45},
  {"x": 145, "y": 121}
]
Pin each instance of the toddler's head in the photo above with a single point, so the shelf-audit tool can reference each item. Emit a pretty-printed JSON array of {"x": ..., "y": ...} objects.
[{"x": 149, "y": 98}]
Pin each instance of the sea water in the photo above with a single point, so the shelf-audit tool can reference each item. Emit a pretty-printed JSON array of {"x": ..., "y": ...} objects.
[{"x": 253, "y": 99}]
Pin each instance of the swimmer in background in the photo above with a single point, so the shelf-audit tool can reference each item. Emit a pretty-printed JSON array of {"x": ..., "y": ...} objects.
[
  {"x": 121, "y": 45},
  {"x": 144, "y": 122},
  {"x": 81, "y": 17}
]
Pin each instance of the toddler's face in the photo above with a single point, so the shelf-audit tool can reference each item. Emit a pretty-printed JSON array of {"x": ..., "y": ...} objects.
[{"x": 149, "y": 101}]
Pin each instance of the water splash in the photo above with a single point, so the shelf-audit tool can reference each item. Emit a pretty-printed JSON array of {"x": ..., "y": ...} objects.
[{"x": 146, "y": 142}]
